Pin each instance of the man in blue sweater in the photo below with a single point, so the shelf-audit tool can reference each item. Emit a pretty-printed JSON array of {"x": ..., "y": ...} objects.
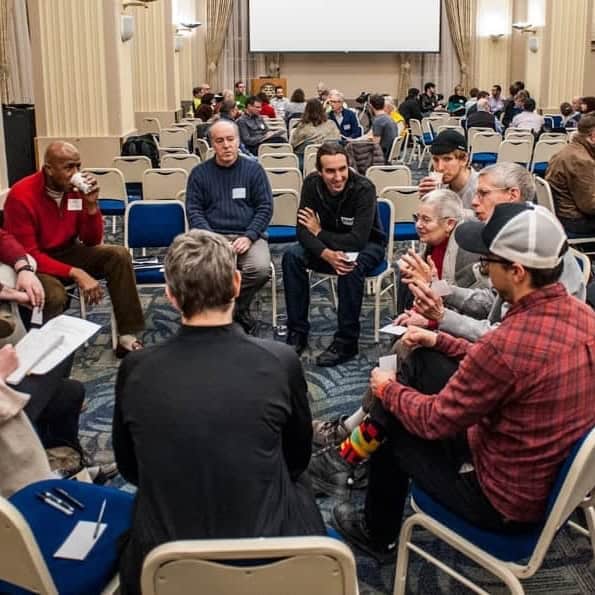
[
  {"x": 231, "y": 195},
  {"x": 345, "y": 119}
]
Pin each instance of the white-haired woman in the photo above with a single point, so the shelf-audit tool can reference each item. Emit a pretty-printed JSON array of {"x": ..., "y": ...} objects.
[{"x": 439, "y": 213}]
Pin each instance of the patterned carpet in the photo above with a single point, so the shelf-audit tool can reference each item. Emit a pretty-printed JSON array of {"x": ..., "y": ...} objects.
[{"x": 333, "y": 391}]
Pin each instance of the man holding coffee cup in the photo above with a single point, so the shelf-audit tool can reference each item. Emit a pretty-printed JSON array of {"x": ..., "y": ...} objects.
[
  {"x": 450, "y": 161},
  {"x": 55, "y": 215}
]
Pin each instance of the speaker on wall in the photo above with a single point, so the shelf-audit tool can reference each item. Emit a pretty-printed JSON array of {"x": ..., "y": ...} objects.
[{"x": 19, "y": 135}]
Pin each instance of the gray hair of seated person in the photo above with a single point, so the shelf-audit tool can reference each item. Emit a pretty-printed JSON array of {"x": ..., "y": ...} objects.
[
  {"x": 199, "y": 269},
  {"x": 337, "y": 94},
  {"x": 446, "y": 203},
  {"x": 511, "y": 175}
]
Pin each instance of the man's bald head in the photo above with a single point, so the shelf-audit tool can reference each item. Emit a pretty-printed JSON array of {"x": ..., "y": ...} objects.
[
  {"x": 60, "y": 162},
  {"x": 225, "y": 140}
]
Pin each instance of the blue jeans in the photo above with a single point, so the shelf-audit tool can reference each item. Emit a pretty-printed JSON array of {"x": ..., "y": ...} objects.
[{"x": 350, "y": 289}]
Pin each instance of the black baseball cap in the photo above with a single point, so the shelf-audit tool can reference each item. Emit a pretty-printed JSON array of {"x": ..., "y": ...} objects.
[{"x": 447, "y": 142}]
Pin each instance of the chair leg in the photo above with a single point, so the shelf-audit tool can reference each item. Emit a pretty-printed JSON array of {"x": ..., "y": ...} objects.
[
  {"x": 377, "y": 289},
  {"x": 114, "y": 329},
  {"x": 403, "y": 557},
  {"x": 334, "y": 298},
  {"x": 114, "y": 224},
  {"x": 273, "y": 296}
]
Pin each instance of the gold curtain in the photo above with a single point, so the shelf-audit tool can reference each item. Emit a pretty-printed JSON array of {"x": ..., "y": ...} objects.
[
  {"x": 404, "y": 79},
  {"x": 218, "y": 16},
  {"x": 461, "y": 20},
  {"x": 4, "y": 63}
]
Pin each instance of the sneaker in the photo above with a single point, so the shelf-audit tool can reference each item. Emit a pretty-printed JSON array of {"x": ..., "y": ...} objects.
[
  {"x": 351, "y": 523},
  {"x": 333, "y": 476},
  {"x": 100, "y": 474},
  {"x": 299, "y": 341},
  {"x": 329, "y": 432},
  {"x": 335, "y": 354}
]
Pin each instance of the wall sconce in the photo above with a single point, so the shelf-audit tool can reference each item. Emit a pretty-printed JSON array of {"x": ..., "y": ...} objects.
[
  {"x": 533, "y": 44},
  {"x": 126, "y": 27},
  {"x": 186, "y": 28},
  {"x": 496, "y": 36},
  {"x": 524, "y": 27},
  {"x": 178, "y": 43},
  {"x": 144, "y": 3}
]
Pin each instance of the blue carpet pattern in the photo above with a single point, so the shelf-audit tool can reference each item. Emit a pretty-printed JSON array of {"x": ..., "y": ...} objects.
[{"x": 333, "y": 391}]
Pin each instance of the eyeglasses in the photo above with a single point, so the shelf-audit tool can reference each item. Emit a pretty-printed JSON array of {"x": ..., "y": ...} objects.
[
  {"x": 425, "y": 219},
  {"x": 481, "y": 194},
  {"x": 484, "y": 262}
]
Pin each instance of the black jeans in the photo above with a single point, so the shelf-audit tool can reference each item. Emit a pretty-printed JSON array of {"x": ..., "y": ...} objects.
[
  {"x": 434, "y": 465},
  {"x": 55, "y": 405},
  {"x": 350, "y": 289}
]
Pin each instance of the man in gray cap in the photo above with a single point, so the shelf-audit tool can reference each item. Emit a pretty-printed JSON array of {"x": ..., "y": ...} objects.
[
  {"x": 451, "y": 160},
  {"x": 489, "y": 444}
]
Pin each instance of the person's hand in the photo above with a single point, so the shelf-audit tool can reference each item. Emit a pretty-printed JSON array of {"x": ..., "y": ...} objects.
[
  {"x": 92, "y": 197},
  {"x": 426, "y": 185},
  {"x": 241, "y": 245},
  {"x": 309, "y": 219},
  {"x": 30, "y": 284},
  {"x": 9, "y": 361},
  {"x": 379, "y": 379},
  {"x": 414, "y": 268},
  {"x": 88, "y": 286},
  {"x": 419, "y": 337},
  {"x": 411, "y": 318},
  {"x": 427, "y": 302},
  {"x": 338, "y": 260}
]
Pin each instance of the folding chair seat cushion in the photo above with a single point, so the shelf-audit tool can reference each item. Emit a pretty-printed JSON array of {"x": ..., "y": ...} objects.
[
  {"x": 281, "y": 234},
  {"x": 405, "y": 231},
  {"x": 379, "y": 269},
  {"x": 508, "y": 548},
  {"x": 428, "y": 138},
  {"x": 540, "y": 168},
  {"x": 112, "y": 206},
  {"x": 51, "y": 527},
  {"x": 150, "y": 276}
]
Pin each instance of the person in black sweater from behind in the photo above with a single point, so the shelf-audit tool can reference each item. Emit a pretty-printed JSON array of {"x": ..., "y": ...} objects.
[
  {"x": 337, "y": 216},
  {"x": 411, "y": 107},
  {"x": 213, "y": 426}
]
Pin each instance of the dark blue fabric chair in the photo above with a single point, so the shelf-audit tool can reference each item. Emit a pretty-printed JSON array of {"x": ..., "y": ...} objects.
[
  {"x": 50, "y": 528},
  {"x": 509, "y": 557},
  {"x": 152, "y": 224}
]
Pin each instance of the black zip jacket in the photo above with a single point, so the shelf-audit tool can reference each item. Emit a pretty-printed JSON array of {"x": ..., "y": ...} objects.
[{"x": 349, "y": 220}]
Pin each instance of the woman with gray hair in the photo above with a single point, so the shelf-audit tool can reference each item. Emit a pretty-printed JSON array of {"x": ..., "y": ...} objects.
[{"x": 438, "y": 215}]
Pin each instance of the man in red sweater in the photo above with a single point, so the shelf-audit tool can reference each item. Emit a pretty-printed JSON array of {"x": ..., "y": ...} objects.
[{"x": 62, "y": 229}]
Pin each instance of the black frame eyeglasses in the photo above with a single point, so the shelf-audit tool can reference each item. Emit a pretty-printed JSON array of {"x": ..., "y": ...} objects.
[{"x": 484, "y": 261}]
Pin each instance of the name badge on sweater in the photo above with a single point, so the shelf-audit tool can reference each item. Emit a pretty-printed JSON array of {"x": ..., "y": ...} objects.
[
  {"x": 75, "y": 204},
  {"x": 347, "y": 220},
  {"x": 238, "y": 193}
]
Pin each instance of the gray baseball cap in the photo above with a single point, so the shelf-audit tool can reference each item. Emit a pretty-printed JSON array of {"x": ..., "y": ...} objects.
[{"x": 518, "y": 232}]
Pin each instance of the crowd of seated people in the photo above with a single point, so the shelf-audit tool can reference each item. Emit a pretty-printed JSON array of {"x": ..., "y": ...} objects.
[{"x": 472, "y": 395}]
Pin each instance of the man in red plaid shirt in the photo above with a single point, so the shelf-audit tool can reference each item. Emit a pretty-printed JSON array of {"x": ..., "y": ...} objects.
[{"x": 488, "y": 445}]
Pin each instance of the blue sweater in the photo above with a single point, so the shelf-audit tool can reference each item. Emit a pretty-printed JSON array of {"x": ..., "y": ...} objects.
[
  {"x": 230, "y": 200},
  {"x": 350, "y": 127}
]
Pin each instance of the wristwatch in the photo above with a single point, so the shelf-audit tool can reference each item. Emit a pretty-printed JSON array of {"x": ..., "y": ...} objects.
[{"x": 27, "y": 267}]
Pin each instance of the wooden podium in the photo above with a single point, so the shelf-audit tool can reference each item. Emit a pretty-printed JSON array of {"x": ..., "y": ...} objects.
[{"x": 261, "y": 84}]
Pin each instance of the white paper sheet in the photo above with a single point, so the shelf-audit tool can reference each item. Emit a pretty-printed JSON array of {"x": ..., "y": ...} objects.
[
  {"x": 351, "y": 256},
  {"x": 394, "y": 329},
  {"x": 80, "y": 541},
  {"x": 388, "y": 362}
]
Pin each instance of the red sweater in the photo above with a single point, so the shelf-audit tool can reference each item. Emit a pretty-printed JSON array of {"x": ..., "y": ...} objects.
[
  {"x": 41, "y": 226},
  {"x": 10, "y": 249}
]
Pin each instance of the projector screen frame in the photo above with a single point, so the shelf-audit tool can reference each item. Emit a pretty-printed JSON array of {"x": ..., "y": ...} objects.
[{"x": 344, "y": 52}]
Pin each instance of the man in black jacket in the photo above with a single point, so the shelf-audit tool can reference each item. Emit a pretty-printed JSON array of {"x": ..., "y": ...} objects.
[
  {"x": 411, "y": 108},
  {"x": 339, "y": 233}
]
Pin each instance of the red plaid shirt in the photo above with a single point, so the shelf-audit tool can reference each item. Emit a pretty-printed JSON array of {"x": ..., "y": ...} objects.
[{"x": 524, "y": 393}]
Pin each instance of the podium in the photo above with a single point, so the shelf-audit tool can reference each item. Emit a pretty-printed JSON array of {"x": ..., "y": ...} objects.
[{"x": 267, "y": 85}]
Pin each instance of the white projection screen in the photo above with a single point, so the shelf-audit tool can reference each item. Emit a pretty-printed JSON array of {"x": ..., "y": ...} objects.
[{"x": 344, "y": 26}]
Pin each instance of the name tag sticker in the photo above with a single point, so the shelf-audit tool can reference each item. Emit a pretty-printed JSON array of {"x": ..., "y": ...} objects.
[
  {"x": 347, "y": 126},
  {"x": 238, "y": 193},
  {"x": 75, "y": 204},
  {"x": 347, "y": 220}
]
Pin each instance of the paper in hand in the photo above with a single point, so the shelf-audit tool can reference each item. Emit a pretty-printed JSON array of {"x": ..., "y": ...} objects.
[
  {"x": 441, "y": 287},
  {"x": 394, "y": 329},
  {"x": 37, "y": 316},
  {"x": 388, "y": 362}
]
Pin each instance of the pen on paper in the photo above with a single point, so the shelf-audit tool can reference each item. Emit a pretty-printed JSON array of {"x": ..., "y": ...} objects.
[{"x": 99, "y": 519}]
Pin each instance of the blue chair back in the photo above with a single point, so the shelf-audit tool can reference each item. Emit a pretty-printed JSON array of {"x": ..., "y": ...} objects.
[{"x": 154, "y": 224}]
